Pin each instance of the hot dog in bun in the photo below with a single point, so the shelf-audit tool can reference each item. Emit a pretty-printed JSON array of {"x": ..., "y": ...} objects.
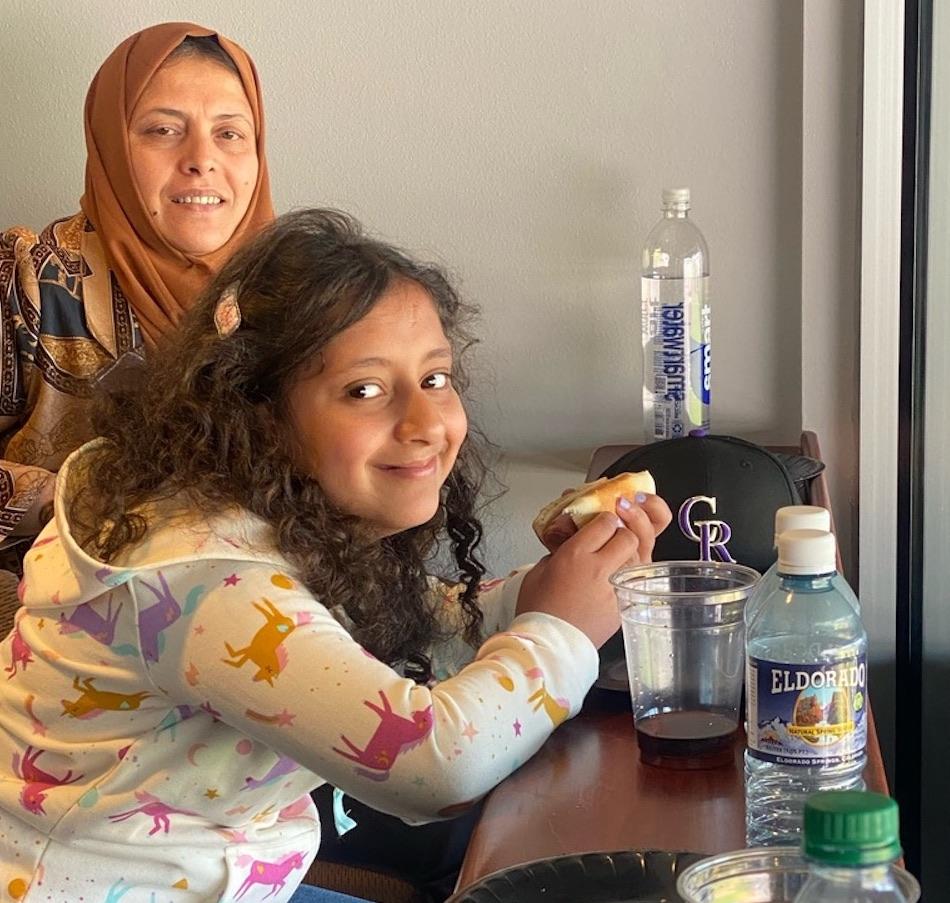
[{"x": 587, "y": 501}]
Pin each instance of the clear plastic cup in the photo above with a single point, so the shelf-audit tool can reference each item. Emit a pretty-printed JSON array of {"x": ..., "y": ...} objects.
[
  {"x": 684, "y": 642},
  {"x": 759, "y": 875}
]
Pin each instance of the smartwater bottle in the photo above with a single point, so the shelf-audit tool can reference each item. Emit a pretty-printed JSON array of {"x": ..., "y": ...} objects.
[
  {"x": 806, "y": 691},
  {"x": 851, "y": 844},
  {"x": 675, "y": 323}
]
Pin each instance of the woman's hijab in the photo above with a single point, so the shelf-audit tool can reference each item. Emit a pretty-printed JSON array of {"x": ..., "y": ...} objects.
[{"x": 159, "y": 281}]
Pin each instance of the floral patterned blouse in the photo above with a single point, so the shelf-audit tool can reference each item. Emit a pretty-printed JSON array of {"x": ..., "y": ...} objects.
[{"x": 65, "y": 329}]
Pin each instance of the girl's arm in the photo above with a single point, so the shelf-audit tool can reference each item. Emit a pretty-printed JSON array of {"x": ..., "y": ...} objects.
[
  {"x": 497, "y": 600},
  {"x": 273, "y": 663}
]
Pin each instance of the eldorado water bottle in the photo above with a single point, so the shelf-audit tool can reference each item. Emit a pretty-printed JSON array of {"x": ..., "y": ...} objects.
[
  {"x": 806, "y": 691},
  {"x": 794, "y": 517},
  {"x": 788, "y": 517},
  {"x": 675, "y": 323}
]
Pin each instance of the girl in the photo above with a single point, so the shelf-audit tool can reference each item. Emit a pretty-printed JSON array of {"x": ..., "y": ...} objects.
[{"x": 231, "y": 605}]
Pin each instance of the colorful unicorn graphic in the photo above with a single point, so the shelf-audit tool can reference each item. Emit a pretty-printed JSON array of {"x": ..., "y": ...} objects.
[
  {"x": 556, "y": 709},
  {"x": 273, "y": 874},
  {"x": 156, "y": 618},
  {"x": 264, "y": 649},
  {"x": 118, "y": 891},
  {"x": 93, "y": 702},
  {"x": 152, "y": 806},
  {"x": 38, "y": 782},
  {"x": 393, "y": 736},
  {"x": 283, "y": 766},
  {"x": 86, "y": 617},
  {"x": 175, "y": 717},
  {"x": 21, "y": 654}
]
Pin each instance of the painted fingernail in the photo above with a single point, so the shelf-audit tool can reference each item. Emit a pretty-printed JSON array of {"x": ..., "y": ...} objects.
[
  {"x": 626, "y": 504},
  {"x": 640, "y": 497}
]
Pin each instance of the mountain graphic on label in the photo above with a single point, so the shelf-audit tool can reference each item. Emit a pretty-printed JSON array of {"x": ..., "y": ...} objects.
[{"x": 822, "y": 716}]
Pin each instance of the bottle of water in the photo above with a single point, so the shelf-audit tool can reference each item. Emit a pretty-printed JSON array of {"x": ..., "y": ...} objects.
[
  {"x": 851, "y": 843},
  {"x": 806, "y": 691},
  {"x": 794, "y": 517},
  {"x": 675, "y": 323},
  {"x": 789, "y": 517}
]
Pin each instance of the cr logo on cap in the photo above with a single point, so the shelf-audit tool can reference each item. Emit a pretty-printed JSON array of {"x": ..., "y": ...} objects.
[{"x": 712, "y": 535}]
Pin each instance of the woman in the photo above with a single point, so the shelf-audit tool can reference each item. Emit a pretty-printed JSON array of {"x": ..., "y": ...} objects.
[{"x": 176, "y": 180}]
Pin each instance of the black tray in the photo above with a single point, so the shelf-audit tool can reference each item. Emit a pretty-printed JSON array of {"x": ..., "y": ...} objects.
[{"x": 628, "y": 876}]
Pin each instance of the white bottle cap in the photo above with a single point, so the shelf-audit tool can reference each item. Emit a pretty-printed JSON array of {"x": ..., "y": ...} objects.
[
  {"x": 676, "y": 197},
  {"x": 801, "y": 517},
  {"x": 806, "y": 552}
]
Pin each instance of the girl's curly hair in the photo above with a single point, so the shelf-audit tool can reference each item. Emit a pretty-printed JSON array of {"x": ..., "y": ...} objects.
[{"x": 209, "y": 418}]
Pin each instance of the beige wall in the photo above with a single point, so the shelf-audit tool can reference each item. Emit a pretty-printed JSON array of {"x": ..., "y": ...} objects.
[{"x": 525, "y": 145}]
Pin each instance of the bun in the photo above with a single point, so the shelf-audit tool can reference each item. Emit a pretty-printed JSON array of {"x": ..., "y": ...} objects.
[{"x": 587, "y": 501}]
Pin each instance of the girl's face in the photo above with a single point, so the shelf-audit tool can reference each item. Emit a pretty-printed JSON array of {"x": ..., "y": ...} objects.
[
  {"x": 194, "y": 153},
  {"x": 379, "y": 427}
]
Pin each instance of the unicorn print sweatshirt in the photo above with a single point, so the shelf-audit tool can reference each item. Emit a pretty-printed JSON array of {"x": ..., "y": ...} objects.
[{"x": 163, "y": 718}]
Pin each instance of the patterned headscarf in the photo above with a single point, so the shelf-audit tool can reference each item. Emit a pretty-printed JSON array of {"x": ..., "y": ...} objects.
[{"x": 159, "y": 281}]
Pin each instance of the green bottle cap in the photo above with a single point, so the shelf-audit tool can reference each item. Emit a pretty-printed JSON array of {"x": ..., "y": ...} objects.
[{"x": 851, "y": 828}]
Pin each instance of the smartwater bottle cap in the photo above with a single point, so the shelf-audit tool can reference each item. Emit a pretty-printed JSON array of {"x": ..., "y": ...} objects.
[
  {"x": 676, "y": 197},
  {"x": 801, "y": 517},
  {"x": 851, "y": 828},
  {"x": 806, "y": 552}
]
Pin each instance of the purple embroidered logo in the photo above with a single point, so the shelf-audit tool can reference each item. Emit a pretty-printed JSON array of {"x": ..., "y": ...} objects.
[{"x": 712, "y": 535}]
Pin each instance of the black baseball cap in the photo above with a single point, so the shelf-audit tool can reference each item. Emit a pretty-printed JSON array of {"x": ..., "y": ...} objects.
[{"x": 748, "y": 483}]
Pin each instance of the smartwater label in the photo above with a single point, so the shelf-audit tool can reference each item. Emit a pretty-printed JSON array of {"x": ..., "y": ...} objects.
[
  {"x": 807, "y": 714},
  {"x": 677, "y": 354}
]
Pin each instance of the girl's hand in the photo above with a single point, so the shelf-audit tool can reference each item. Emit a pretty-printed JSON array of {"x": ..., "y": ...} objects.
[{"x": 573, "y": 582}]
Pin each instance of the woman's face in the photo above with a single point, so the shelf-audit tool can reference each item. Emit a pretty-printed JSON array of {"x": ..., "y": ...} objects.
[
  {"x": 194, "y": 153},
  {"x": 380, "y": 425}
]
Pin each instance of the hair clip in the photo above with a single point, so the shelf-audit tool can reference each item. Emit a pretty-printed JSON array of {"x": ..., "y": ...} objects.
[{"x": 227, "y": 313}]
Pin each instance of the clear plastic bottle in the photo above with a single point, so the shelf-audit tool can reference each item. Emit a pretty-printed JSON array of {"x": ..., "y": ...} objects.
[
  {"x": 675, "y": 323},
  {"x": 806, "y": 691},
  {"x": 789, "y": 517},
  {"x": 851, "y": 843}
]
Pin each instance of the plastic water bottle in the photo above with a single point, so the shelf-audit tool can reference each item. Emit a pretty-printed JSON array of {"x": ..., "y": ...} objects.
[
  {"x": 789, "y": 517},
  {"x": 675, "y": 323},
  {"x": 851, "y": 844},
  {"x": 806, "y": 691},
  {"x": 794, "y": 517}
]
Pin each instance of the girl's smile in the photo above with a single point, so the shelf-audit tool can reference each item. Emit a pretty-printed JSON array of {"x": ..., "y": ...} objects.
[
  {"x": 380, "y": 425},
  {"x": 411, "y": 471}
]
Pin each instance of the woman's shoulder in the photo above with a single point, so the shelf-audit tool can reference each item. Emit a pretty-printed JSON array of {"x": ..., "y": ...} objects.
[
  {"x": 60, "y": 283},
  {"x": 66, "y": 234},
  {"x": 62, "y": 236},
  {"x": 53, "y": 258}
]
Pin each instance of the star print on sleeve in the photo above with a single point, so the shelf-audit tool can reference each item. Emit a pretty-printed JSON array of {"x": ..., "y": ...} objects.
[
  {"x": 233, "y": 580},
  {"x": 283, "y": 718},
  {"x": 517, "y": 727}
]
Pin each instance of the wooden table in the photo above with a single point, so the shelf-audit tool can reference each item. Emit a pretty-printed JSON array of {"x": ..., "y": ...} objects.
[{"x": 587, "y": 790}]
